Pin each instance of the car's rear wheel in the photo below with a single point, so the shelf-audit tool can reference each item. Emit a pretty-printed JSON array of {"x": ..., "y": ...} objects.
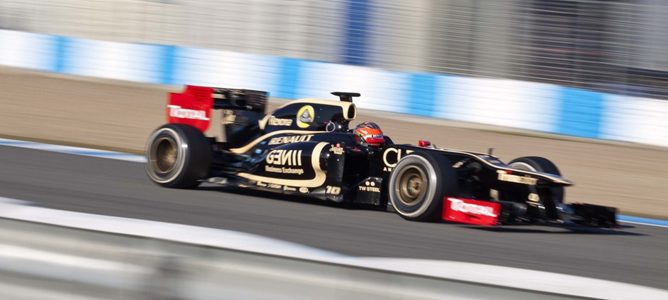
[
  {"x": 418, "y": 184},
  {"x": 178, "y": 156},
  {"x": 551, "y": 197}
]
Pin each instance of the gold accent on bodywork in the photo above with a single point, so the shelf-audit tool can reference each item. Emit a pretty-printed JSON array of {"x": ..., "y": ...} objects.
[
  {"x": 262, "y": 123},
  {"x": 318, "y": 180},
  {"x": 256, "y": 141},
  {"x": 503, "y": 176},
  {"x": 345, "y": 106},
  {"x": 533, "y": 197},
  {"x": 554, "y": 178}
]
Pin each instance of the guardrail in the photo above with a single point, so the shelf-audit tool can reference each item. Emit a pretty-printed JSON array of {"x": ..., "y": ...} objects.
[
  {"x": 501, "y": 102},
  {"x": 52, "y": 254}
]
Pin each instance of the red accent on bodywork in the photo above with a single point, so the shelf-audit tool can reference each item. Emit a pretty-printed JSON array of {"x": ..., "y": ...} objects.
[
  {"x": 375, "y": 141},
  {"x": 471, "y": 211},
  {"x": 192, "y": 107},
  {"x": 424, "y": 143}
]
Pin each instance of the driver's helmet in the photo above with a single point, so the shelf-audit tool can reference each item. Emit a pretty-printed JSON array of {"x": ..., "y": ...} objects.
[{"x": 369, "y": 134}]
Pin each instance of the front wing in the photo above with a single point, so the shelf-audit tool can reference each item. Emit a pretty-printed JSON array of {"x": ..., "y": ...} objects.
[{"x": 492, "y": 213}]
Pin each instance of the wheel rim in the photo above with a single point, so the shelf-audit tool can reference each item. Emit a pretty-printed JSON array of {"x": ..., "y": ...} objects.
[
  {"x": 165, "y": 155},
  {"x": 412, "y": 185}
]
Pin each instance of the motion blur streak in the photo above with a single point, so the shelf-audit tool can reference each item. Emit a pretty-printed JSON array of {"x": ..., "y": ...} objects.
[
  {"x": 611, "y": 46},
  {"x": 502, "y": 102},
  {"x": 73, "y": 150},
  {"x": 591, "y": 69}
]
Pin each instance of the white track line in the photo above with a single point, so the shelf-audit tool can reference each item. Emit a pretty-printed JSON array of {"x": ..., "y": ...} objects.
[
  {"x": 73, "y": 150},
  {"x": 470, "y": 272}
]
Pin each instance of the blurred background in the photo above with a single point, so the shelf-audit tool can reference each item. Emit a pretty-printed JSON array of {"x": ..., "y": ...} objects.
[
  {"x": 614, "y": 46},
  {"x": 582, "y": 82},
  {"x": 576, "y": 70}
]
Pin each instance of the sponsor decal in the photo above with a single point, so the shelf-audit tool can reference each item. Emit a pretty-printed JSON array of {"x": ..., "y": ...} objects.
[
  {"x": 289, "y": 189},
  {"x": 266, "y": 136},
  {"x": 305, "y": 116},
  {"x": 316, "y": 181},
  {"x": 337, "y": 149},
  {"x": 262, "y": 184},
  {"x": 192, "y": 107},
  {"x": 391, "y": 157},
  {"x": 332, "y": 190},
  {"x": 470, "y": 208},
  {"x": 283, "y": 170},
  {"x": 369, "y": 186},
  {"x": 177, "y": 111},
  {"x": 284, "y": 157},
  {"x": 471, "y": 211},
  {"x": 275, "y": 186},
  {"x": 503, "y": 176},
  {"x": 290, "y": 139},
  {"x": 369, "y": 189},
  {"x": 273, "y": 121},
  {"x": 303, "y": 190},
  {"x": 280, "y": 161}
]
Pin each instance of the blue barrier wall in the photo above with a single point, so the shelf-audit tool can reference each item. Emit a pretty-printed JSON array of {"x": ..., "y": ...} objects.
[{"x": 502, "y": 102}]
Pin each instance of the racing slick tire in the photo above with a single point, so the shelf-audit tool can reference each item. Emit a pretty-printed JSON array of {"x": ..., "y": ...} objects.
[
  {"x": 418, "y": 184},
  {"x": 178, "y": 156},
  {"x": 543, "y": 165}
]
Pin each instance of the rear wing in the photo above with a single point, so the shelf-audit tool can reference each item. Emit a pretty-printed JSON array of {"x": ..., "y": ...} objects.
[
  {"x": 239, "y": 99},
  {"x": 195, "y": 104}
]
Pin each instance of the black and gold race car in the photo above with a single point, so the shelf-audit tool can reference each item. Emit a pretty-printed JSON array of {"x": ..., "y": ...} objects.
[{"x": 306, "y": 147}]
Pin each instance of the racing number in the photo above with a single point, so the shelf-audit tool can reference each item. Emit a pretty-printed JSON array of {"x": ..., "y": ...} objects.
[{"x": 332, "y": 190}]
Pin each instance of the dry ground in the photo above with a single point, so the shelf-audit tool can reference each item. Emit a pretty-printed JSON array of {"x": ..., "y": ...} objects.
[{"x": 120, "y": 115}]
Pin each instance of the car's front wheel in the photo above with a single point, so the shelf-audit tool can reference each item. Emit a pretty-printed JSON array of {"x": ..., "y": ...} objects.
[
  {"x": 418, "y": 184},
  {"x": 178, "y": 156},
  {"x": 552, "y": 196}
]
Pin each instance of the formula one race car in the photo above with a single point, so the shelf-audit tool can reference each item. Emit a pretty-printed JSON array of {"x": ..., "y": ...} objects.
[{"x": 306, "y": 147}]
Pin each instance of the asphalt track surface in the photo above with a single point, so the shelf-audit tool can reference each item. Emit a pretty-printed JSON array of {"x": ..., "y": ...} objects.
[
  {"x": 634, "y": 253},
  {"x": 118, "y": 115}
]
